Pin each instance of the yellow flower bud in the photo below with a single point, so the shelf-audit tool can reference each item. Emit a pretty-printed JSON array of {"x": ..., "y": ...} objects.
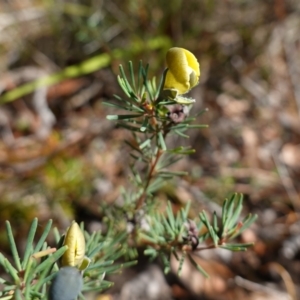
[
  {"x": 183, "y": 70},
  {"x": 75, "y": 241}
]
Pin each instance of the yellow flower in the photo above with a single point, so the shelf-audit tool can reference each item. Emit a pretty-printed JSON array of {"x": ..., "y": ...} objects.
[
  {"x": 183, "y": 70},
  {"x": 75, "y": 241}
]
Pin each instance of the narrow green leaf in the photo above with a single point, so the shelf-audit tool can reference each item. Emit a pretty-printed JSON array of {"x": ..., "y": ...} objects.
[
  {"x": 146, "y": 143},
  {"x": 236, "y": 247},
  {"x": 179, "y": 126},
  {"x": 151, "y": 252},
  {"x": 7, "y": 288},
  {"x": 42, "y": 239},
  {"x": 162, "y": 141},
  {"x": 154, "y": 87},
  {"x": 130, "y": 104},
  {"x": 210, "y": 229},
  {"x": 173, "y": 251},
  {"x": 129, "y": 264},
  {"x": 172, "y": 174},
  {"x": 166, "y": 162},
  {"x": 18, "y": 294},
  {"x": 2, "y": 281},
  {"x": 96, "y": 250},
  {"x": 186, "y": 210},
  {"x": 185, "y": 151},
  {"x": 224, "y": 211},
  {"x": 156, "y": 184},
  {"x": 29, "y": 269},
  {"x": 165, "y": 176},
  {"x": 182, "y": 258},
  {"x": 129, "y": 127},
  {"x": 2, "y": 258},
  {"x": 11, "y": 271},
  {"x": 123, "y": 83},
  {"x": 168, "y": 228},
  {"x": 236, "y": 214},
  {"x": 56, "y": 234},
  {"x": 166, "y": 262},
  {"x": 133, "y": 146},
  {"x": 29, "y": 243},
  {"x": 122, "y": 117},
  {"x": 215, "y": 222},
  {"x": 131, "y": 71},
  {"x": 42, "y": 278},
  {"x": 151, "y": 239},
  {"x": 229, "y": 213},
  {"x": 248, "y": 221},
  {"x": 13, "y": 246},
  {"x": 51, "y": 259},
  {"x": 90, "y": 239},
  {"x": 170, "y": 215},
  {"x": 199, "y": 268},
  {"x": 115, "y": 105},
  {"x": 198, "y": 126},
  {"x": 140, "y": 78},
  {"x": 145, "y": 124},
  {"x": 95, "y": 288},
  {"x": 135, "y": 157},
  {"x": 182, "y": 134}
]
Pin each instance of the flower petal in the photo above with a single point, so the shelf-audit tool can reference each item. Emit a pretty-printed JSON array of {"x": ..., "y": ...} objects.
[
  {"x": 76, "y": 246},
  {"x": 192, "y": 62},
  {"x": 183, "y": 70}
]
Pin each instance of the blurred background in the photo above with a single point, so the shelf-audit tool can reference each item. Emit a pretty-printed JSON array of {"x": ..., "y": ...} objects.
[{"x": 60, "y": 158}]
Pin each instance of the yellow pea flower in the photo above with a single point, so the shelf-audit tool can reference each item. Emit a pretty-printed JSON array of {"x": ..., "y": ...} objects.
[
  {"x": 183, "y": 70},
  {"x": 75, "y": 241}
]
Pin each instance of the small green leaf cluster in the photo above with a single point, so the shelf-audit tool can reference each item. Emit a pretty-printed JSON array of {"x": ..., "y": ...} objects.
[
  {"x": 32, "y": 274},
  {"x": 179, "y": 236}
]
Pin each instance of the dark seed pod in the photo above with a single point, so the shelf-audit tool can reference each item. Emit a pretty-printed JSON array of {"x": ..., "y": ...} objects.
[{"x": 66, "y": 285}]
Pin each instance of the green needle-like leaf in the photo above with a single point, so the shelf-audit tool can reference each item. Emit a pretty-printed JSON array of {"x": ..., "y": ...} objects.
[
  {"x": 13, "y": 246},
  {"x": 224, "y": 211},
  {"x": 18, "y": 294},
  {"x": 29, "y": 243},
  {"x": 180, "y": 133},
  {"x": 51, "y": 259},
  {"x": 215, "y": 222},
  {"x": 249, "y": 220},
  {"x": 42, "y": 239},
  {"x": 29, "y": 269},
  {"x": 210, "y": 229},
  {"x": 170, "y": 215},
  {"x": 162, "y": 141},
  {"x": 131, "y": 71},
  {"x": 181, "y": 261},
  {"x": 12, "y": 271},
  {"x": 144, "y": 124},
  {"x": 199, "y": 268},
  {"x": 236, "y": 213},
  {"x": 122, "y": 117}
]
